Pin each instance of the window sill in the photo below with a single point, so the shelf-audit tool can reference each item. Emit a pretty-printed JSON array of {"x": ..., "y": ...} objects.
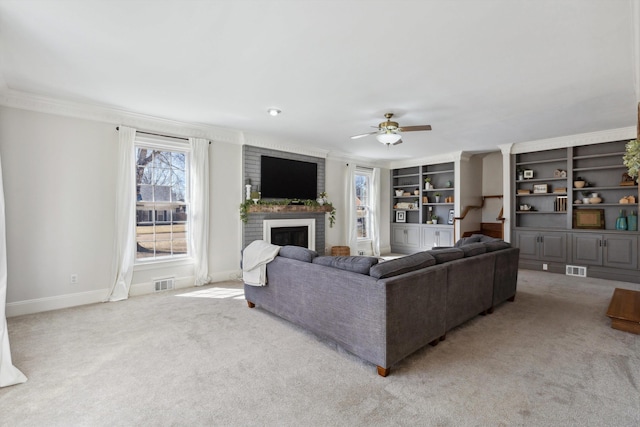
[{"x": 152, "y": 265}]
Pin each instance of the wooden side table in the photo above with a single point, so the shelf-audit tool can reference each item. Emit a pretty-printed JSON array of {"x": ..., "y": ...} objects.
[{"x": 624, "y": 310}]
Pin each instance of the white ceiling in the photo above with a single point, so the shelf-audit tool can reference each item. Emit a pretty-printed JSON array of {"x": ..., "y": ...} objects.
[{"x": 481, "y": 72}]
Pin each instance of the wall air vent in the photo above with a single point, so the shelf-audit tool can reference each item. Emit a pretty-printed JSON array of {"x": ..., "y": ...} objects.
[
  {"x": 574, "y": 270},
  {"x": 165, "y": 284}
]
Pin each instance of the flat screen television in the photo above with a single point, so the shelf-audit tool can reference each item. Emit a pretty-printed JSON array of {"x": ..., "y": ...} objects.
[{"x": 288, "y": 179}]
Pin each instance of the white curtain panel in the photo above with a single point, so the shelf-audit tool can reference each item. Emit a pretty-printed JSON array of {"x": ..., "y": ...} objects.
[
  {"x": 375, "y": 211},
  {"x": 125, "y": 230},
  {"x": 9, "y": 374},
  {"x": 350, "y": 209},
  {"x": 199, "y": 201}
]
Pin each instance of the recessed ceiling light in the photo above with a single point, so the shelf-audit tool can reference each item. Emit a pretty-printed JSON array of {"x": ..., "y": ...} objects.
[{"x": 273, "y": 111}]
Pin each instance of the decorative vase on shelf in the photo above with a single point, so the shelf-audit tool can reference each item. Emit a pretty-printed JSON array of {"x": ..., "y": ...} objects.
[
  {"x": 621, "y": 222},
  {"x": 632, "y": 221}
]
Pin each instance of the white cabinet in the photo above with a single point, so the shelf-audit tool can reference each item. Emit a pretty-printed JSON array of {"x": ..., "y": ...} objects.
[
  {"x": 433, "y": 235},
  {"x": 405, "y": 238}
]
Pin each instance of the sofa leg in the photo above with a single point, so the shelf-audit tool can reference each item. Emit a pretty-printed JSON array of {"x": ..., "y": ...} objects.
[
  {"x": 444, "y": 337},
  {"x": 512, "y": 299},
  {"x": 490, "y": 311},
  {"x": 250, "y": 304},
  {"x": 383, "y": 372},
  {"x": 434, "y": 342}
]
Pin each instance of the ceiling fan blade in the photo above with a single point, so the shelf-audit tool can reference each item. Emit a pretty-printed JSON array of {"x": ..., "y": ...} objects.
[
  {"x": 398, "y": 142},
  {"x": 362, "y": 135},
  {"x": 415, "y": 128}
]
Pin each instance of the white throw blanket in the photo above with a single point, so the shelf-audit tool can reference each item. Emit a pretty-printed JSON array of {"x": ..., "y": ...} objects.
[{"x": 255, "y": 258}]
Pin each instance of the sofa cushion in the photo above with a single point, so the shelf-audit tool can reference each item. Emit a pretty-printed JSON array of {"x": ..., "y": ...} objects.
[
  {"x": 446, "y": 255},
  {"x": 466, "y": 240},
  {"x": 357, "y": 264},
  {"x": 402, "y": 265},
  {"x": 496, "y": 245},
  {"x": 485, "y": 239},
  {"x": 298, "y": 253},
  {"x": 473, "y": 249}
]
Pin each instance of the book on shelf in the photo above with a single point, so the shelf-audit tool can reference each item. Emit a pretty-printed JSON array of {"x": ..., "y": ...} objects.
[{"x": 560, "y": 204}]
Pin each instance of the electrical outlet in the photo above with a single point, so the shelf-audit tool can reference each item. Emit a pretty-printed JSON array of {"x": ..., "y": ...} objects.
[
  {"x": 74, "y": 279},
  {"x": 360, "y": 252},
  {"x": 545, "y": 267}
]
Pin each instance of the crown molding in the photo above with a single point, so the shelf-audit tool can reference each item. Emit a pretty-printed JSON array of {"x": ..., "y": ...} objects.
[
  {"x": 573, "y": 140},
  {"x": 441, "y": 158},
  {"x": 505, "y": 148},
  {"x": 360, "y": 161},
  {"x": 264, "y": 141},
  {"x": 42, "y": 104}
]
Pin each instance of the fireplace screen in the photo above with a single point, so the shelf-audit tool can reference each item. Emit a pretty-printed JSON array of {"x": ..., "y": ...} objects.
[{"x": 296, "y": 236}]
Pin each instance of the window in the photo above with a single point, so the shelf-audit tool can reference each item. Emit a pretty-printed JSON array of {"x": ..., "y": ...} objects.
[
  {"x": 363, "y": 203},
  {"x": 162, "y": 204}
]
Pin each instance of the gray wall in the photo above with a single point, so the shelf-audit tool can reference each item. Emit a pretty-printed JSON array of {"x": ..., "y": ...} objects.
[{"x": 252, "y": 230}]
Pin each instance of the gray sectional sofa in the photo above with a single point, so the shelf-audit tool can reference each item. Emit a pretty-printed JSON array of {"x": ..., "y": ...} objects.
[{"x": 384, "y": 311}]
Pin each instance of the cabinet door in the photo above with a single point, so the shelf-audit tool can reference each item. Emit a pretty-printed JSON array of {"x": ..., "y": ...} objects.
[
  {"x": 553, "y": 247},
  {"x": 398, "y": 235},
  {"x": 620, "y": 251},
  {"x": 428, "y": 238},
  {"x": 444, "y": 237},
  {"x": 587, "y": 249},
  {"x": 413, "y": 237},
  {"x": 528, "y": 244}
]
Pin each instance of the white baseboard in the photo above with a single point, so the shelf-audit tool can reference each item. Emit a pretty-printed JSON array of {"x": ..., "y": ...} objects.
[
  {"x": 149, "y": 287},
  {"x": 39, "y": 305},
  {"x": 54, "y": 303},
  {"x": 223, "y": 276}
]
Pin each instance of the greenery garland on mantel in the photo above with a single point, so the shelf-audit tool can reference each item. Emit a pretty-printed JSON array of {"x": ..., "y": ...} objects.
[
  {"x": 632, "y": 159},
  {"x": 249, "y": 206}
]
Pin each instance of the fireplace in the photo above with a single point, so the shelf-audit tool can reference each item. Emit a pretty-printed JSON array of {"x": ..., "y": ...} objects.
[
  {"x": 297, "y": 232},
  {"x": 296, "y": 236}
]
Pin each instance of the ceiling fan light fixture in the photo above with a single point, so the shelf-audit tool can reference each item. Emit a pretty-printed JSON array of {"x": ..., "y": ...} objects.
[
  {"x": 388, "y": 137},
  {"x": 274, "y": 111}
]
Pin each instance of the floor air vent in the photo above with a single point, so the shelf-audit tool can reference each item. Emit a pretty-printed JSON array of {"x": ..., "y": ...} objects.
[
  {"x": 163, "y": 284},
  {"x": 573, "y": 270}
]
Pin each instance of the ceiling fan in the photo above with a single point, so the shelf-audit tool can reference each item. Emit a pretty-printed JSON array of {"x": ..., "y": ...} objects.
[{"x": 389, "y": 133}]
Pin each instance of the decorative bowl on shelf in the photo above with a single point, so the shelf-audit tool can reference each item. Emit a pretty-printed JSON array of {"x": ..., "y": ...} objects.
[
  {"x": 579, "y": 184},
  {"x": 595, "y": 200}
]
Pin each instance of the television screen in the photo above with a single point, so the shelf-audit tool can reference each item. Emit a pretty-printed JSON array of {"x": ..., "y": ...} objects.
[{"x": 288, "y": 179}]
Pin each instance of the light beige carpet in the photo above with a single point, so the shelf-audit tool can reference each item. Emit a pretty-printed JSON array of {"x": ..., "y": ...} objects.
[{"x": 548, "y": 359}]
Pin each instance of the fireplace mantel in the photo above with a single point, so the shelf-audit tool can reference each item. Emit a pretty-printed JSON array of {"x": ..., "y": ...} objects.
[{"x": 288, "y": 209}]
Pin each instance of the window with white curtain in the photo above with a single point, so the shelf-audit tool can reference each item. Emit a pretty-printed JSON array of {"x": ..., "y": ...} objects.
[
  {"x": 363, "y": 178},
  {"x": 162, "y": 200}
]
